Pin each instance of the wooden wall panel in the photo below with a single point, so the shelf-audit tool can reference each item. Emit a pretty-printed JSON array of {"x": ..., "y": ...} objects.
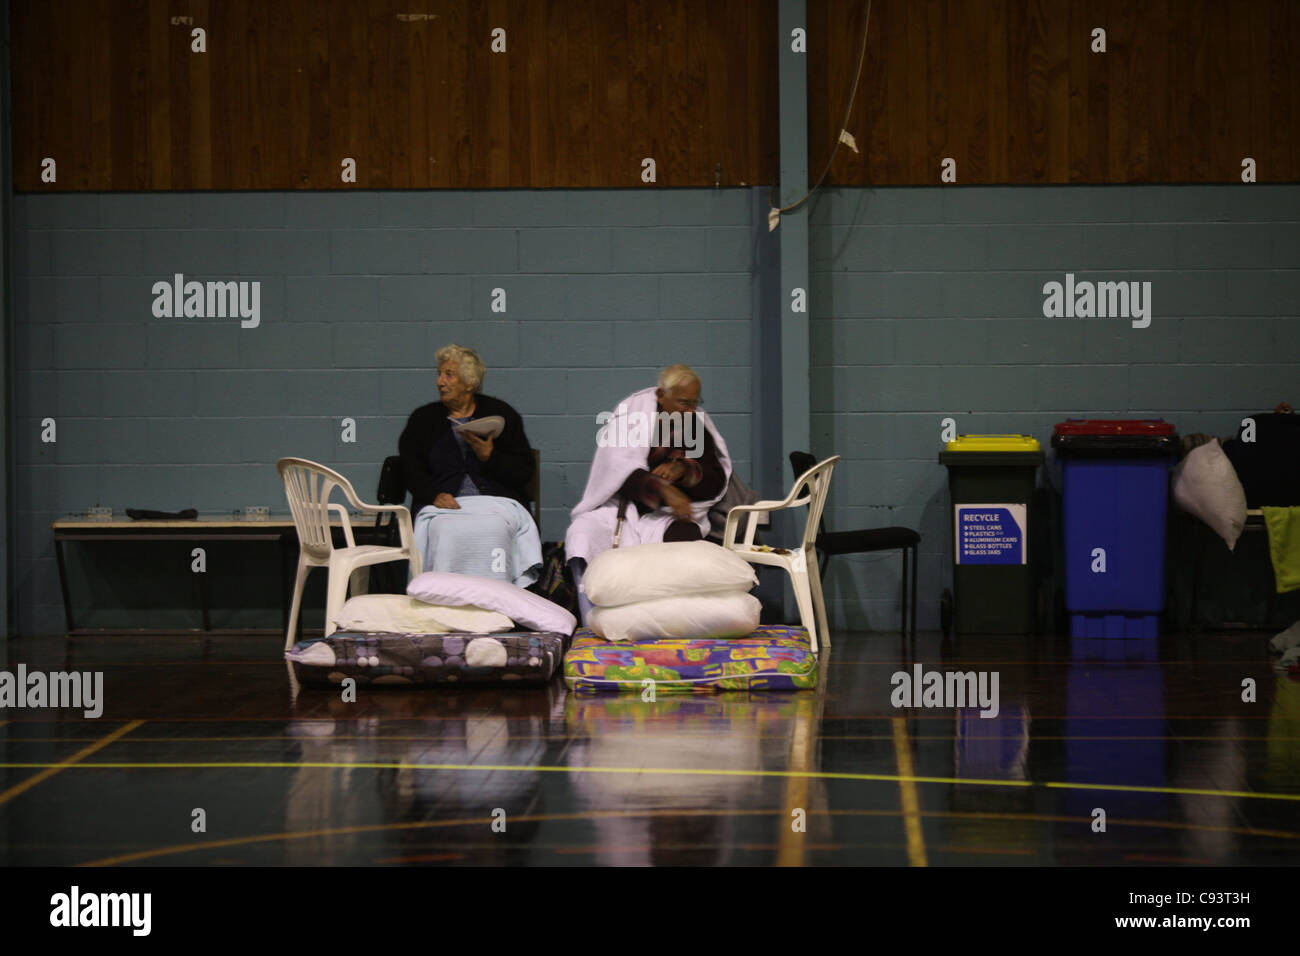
[
  {"x": 408, "y": 88},
  {"x": 1012, "y": 91}
]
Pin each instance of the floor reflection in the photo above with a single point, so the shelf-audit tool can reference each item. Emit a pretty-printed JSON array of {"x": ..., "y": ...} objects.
[
  {"x": 721, "y": 814},
  {"x": 1115, "y": 733},
  {"x": 1190, "y": 744},
  {"x": 472, "y": 728}
]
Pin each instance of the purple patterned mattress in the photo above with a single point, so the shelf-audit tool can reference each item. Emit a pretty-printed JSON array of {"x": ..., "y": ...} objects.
[{"x": 427, "y": 659}]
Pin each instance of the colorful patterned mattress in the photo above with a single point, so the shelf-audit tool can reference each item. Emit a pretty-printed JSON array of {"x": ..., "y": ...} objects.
[
  {"x": 774, "y": 657},
  {"x": 426, "y": 659}
]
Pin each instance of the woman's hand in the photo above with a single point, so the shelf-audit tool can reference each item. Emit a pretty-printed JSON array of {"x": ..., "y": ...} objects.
[
  {"x": 676, "y": 501},
  {"x": 445, "y": 500},
  {"x": 481, "y": 447},
  {"x": 670, "y": 470}
]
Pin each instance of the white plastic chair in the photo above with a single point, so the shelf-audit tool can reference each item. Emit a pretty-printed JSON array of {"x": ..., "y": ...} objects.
[
  {"x": 800, "y": 563},
  {"x": 308, "y": 486}
]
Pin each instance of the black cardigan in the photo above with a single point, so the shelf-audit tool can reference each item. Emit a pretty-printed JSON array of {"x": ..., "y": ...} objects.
[{"x": 432, "y": 462}]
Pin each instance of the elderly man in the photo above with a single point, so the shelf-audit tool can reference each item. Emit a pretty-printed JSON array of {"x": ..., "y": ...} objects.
[{"x": 660, "y": 465}]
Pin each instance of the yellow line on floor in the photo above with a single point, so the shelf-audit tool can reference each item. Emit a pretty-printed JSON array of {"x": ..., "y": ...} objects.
[
  {"x": 792, "y": 847},
  {"x": 416, "y": 825},
  {"x": 907, "y": 791},
  {"x": 1186, "y": 791},
  {"x": 981, "y": 815},
  {"x": 673, "y": 771},
  {"x": 51, "y": 769},
  {"x": 649, "y": 719},
  {"x": 644, "y": 814},
  {"x": 400, "y": 738},
  {"x": 792, "y": 843},
  {"x": 520, "y": 768}
]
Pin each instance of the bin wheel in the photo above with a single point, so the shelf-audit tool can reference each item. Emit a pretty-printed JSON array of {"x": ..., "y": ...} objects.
[{"x": 945, "y": 613}]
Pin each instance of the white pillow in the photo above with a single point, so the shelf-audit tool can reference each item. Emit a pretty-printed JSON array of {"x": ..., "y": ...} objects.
[
  {"x": 644, "y": 572},
  {"x": 1206, "y": 485},
  {"x": 713, "y": 614},
  {"x": 523, "y": 607},
  {"x": 399, "y": 614}
]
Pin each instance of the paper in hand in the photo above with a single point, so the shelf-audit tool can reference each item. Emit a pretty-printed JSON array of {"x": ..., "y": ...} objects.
[{"x": 489, "y": 427}]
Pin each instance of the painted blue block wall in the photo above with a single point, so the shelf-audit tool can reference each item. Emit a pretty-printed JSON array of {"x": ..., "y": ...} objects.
[
  {"x": 357, "y": 293},
  {"x": 927, "y": 303}
]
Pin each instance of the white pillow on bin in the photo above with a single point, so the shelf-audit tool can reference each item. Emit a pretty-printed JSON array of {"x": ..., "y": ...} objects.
[
  {"x": 1206, "y": 485},
  {"x": 698, "y": 616},
  {"x": 525, "y": 608},
  {"x": 644, "y": 572},
  {"x": 400, "y": 614}
]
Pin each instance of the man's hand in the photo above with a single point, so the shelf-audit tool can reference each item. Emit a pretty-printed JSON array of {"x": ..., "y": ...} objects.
[
  {"x": 670, "y": 470},
  {"x": 676, "y": 501},
  {"x": 481, "y": 447},
  {"x": 445, "y": 500}
]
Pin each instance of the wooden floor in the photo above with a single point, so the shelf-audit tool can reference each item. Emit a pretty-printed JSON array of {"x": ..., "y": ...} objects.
[{"x": 1185, "y": 771}]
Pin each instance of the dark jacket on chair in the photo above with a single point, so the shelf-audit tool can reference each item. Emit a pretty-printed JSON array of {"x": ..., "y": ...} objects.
[{"x": 432, "y": 462}]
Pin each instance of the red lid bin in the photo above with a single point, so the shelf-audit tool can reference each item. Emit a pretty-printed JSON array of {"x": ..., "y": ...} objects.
[{"x": 1115, "y": 437}]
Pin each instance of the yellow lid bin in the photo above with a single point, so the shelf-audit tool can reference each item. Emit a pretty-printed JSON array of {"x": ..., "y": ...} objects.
[
  {"x": 991, "y": 481},
  {"x": 993, "y": 443}
]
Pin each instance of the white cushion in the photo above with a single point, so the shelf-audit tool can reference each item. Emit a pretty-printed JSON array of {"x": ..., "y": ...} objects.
[
  {"x": 713, "y": 614},
  {"x": 399, "y": 614},
  {"x": 1206, "y": 485},
  {"x": 523, "y": 607},
  {"x": 644, "y": 572}
]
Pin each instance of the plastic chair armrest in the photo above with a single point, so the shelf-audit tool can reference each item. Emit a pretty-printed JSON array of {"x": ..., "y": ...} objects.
[
  {"x": 347, "y": 523},
  {"x": 407, "y": 535},
  {"x": 751, "y": 525},
  {"x": 405, "y": 529}
]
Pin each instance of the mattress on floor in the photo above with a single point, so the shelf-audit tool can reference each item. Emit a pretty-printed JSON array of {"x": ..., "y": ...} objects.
[
  {"x": 428, "y": 659},
  {"x": 774, "y": 657}
]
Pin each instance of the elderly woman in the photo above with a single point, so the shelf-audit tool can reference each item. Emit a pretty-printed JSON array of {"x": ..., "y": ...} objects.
[{"x": 469, "y": 493}]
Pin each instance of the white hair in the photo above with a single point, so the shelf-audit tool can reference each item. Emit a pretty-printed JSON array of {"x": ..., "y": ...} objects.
[
  {"x": 675, "y": 375},
  {"x": 469, "y": 367}
]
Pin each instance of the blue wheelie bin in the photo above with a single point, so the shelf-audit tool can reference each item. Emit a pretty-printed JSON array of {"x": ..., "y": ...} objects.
[{"x": 1115, "y": 486}]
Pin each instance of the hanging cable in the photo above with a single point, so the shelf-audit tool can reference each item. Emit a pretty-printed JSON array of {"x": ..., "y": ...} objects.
[{"x": 853, "y": 92}]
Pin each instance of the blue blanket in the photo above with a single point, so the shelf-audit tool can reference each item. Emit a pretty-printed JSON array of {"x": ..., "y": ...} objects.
[{"x": 487, "y": 536}]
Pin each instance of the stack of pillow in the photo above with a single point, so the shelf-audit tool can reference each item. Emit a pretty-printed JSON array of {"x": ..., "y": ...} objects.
[
  {"x": 683, "y": 589},
  {"x": 400, "y": 614},
  {"x": 447, "y": 628},
  {"x": 443, "y": 589},
  {"x": 440, "y": 602}
]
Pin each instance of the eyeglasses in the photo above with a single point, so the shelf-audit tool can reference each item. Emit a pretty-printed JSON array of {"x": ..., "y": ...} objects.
[{"x": 689, "y": 402}]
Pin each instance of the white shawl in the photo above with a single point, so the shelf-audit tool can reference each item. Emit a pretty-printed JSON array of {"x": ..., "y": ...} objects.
[{"x": 614, "y": 465}]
